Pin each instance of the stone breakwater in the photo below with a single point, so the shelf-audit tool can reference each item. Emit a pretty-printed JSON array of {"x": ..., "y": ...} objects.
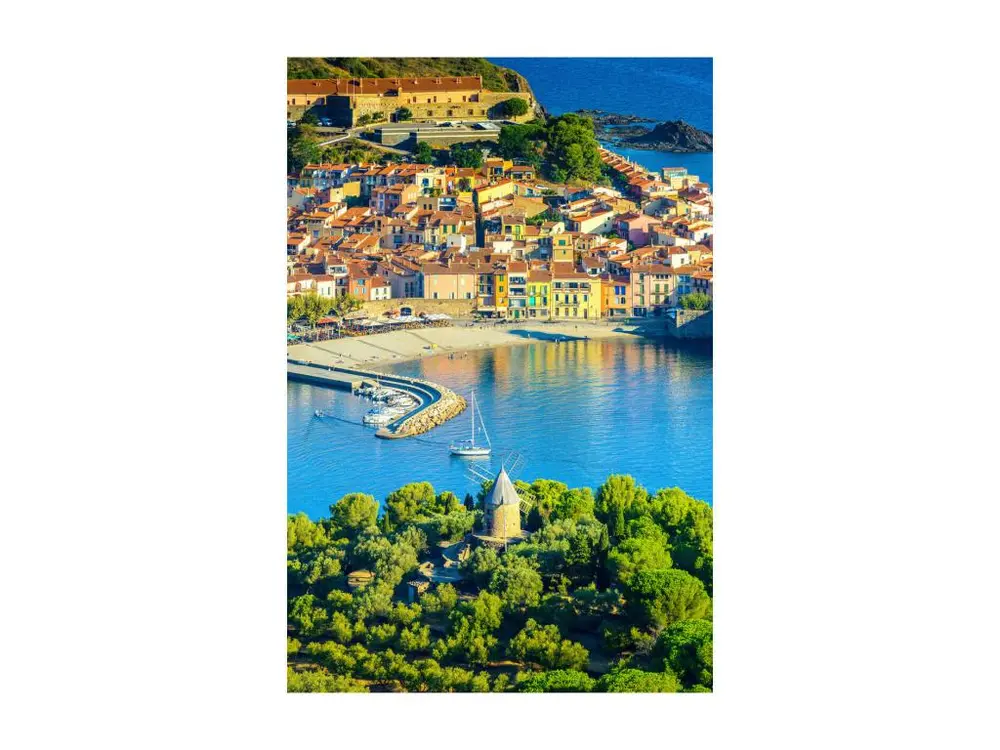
[{"x": 448, "y": 406}]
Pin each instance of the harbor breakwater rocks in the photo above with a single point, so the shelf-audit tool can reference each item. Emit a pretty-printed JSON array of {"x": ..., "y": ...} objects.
[{"x": 448, "y": 406}]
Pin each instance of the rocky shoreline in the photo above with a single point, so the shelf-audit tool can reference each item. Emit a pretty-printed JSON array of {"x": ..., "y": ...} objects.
[{"x": 627, "y": 131}]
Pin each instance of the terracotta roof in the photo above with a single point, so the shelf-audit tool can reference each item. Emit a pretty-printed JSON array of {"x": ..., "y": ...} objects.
[{"x": 380, "y": 86}]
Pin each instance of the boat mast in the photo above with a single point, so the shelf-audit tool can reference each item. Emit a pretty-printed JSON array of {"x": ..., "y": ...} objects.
[
  {"x": 472, "y": 422},
  {"x": 484, "y": 429}
]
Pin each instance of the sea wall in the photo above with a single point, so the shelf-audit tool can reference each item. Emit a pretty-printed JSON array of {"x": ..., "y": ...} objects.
[
  {"x": 690, "y": 324},
  {"x": 461, "y": 308}
]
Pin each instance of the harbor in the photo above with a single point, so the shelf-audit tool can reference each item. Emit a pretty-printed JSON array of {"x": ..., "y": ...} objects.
[
  {"x": 412, "y": 405},
  {"x": 578, "y": 410}
]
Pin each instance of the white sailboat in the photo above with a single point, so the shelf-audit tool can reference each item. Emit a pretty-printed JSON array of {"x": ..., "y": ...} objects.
[{"x": 468, "y": 448}]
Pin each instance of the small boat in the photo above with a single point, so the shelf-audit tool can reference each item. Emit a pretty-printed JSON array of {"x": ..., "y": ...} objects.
[
  {"x": 468, "y": 448},
  {"x": 382, "y": 415}
]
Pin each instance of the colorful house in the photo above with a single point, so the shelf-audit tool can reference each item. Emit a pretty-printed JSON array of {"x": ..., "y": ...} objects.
[
  {"x": 539, "y": 293},
  {"x": 574, "y": 293}
]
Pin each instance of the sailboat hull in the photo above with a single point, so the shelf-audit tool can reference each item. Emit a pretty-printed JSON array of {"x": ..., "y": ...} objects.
[{"x": 470, "y": 452}]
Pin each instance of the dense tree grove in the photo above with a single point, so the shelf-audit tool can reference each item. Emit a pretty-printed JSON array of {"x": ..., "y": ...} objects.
[
  {"x": 565, "y": 148},
  {"x": 609, "y": 591}
]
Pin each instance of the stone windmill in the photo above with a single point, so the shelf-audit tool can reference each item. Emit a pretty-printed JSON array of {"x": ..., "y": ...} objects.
[{"x": 503, "y": 507}]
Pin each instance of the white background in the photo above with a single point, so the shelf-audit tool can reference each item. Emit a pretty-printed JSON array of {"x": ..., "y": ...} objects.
[{"x": 144, "y": 392}]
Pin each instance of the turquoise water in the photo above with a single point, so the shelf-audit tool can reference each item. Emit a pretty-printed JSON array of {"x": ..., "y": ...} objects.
[
  {"x": 660, "y": 88},
  {"x": 577, "y": 411}
]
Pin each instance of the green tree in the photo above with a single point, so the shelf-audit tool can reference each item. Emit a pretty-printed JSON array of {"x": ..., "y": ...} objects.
[
  {"x": 390, "y": 561},
  {"x": 480, "y": 565},
  {"x": 341, "y": 629},
  {"x": 315, "y": 307},
  {"x": 303, "y": 148},
  {"x": 306, "y": 616},
  {"x": 615, "y": 498},
  {"x": 403, "y": 114},
  {"x": 525, "y": 142},
  {"x": 409, "y": 502},
  {"x": 517, "y": 582},
  {"x": 423, "y": 153},
  {"x": 557, "y": 681},
  {"x": 543, "y": 645},
  {"x": 346, "y": 303},
  {"x": 662, "y": 597},
  {"x": 305, "y": 534},
  {"x": 295, "y": 308},
  {"x": 355, "y": 512},
  {"x": 575, "y": 504},
  {"x": 686, "y": 648},
  {"x": 572, "y": 150},
  {"x": 415, "y": 638},
  {"x": 627, "y": 680},
  {"x": 646, "y": 548},
  {"x": 364, "y": 119},
  {"x": 515, "y": 107},
  {"x": 321, "y": 681},
  {"x": 465, "y": 156},
  {"x": 696, "y": 301}
]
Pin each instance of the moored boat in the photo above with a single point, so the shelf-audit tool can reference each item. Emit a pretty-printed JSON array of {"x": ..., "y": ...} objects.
[{"x": 468, "y": 448}]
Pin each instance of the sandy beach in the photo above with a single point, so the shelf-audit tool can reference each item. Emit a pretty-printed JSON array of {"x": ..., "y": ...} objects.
[{"x": 401, "y": 346}]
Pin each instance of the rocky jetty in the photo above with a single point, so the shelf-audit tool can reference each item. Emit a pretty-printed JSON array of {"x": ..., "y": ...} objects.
[
  {"x": 676, "y": 135},
  {"x": 450, "y": 405}
]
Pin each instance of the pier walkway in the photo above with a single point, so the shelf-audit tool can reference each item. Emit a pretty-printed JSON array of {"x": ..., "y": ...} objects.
[{"x": 433, "y": 401}]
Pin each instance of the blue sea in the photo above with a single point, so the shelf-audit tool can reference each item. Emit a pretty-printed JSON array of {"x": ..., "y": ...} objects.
[
  {"x": 661, "y": 88},
  {"x": 576, "y": 411}
]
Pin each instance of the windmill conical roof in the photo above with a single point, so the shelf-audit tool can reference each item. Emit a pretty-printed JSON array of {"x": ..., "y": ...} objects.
[{"x": 502, "y": 492}]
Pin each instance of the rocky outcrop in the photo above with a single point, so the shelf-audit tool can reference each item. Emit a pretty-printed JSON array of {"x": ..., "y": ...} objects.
[
  {"x": 676, "y": 135},
  {"x": 602, "y": 118}
]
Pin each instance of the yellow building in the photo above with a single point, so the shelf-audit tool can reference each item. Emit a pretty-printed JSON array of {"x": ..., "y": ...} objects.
[
  {"x": 345, "y": 100},
  {"x": 575, "y": 295},
  {"x": 562, "y": 247},
  {"x": 539, "y": 296},
  {"x": 513, "y": 226},
  {"x": 491, "y": 193}
]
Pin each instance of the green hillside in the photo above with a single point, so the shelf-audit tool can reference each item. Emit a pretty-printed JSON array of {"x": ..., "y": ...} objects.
[{"x": 495, "y": 78}]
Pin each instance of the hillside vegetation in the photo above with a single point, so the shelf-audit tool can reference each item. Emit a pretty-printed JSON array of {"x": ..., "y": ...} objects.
[
  {"x": 609, "y": 592},
  {"x": 495, "y": 78}
]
